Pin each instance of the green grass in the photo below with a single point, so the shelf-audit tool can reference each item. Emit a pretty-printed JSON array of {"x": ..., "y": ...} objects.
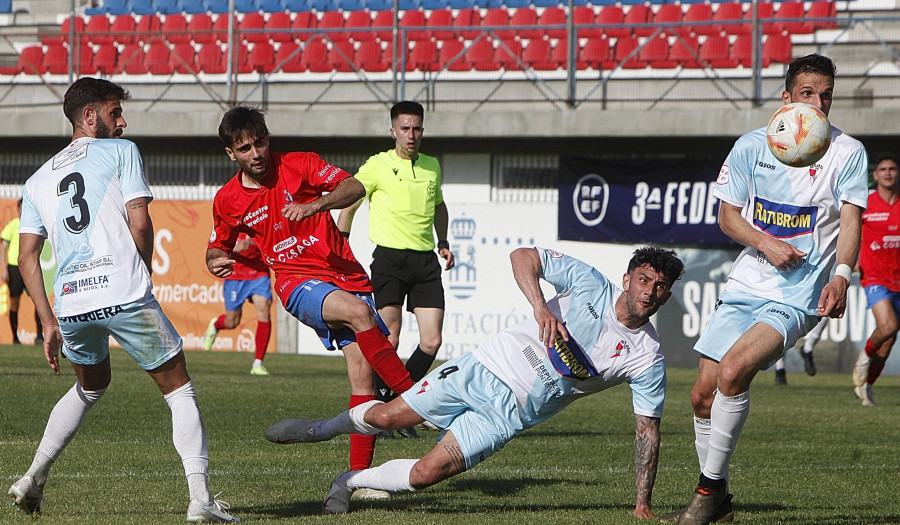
[{"x": 810, "y": 454}]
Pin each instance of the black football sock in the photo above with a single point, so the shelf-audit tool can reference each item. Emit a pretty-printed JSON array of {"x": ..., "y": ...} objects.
[{"x": 418, "y": 364}]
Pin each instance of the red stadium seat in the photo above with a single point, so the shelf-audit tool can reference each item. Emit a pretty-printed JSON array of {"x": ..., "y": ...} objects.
[
  {"x": 98, "y": 28},
  {"x": 131, "y": 60},
  {"x": 554, "y": 16},
  {"x": 715, "y": 52},
  {"x": 787, "y": 10},
  {"x": 175, "y": 28},
  {"x": 684, "y": 51},
  {"x": 83, "y": 61},
  {"x": 158, "y": 59},
  {"x": 210, "y": 59},
  {"x": 332, "y": 22},
  {"x": 481, "y": 56},
  {"x": 148, "y": 28},
  {"x": 526, "y": 16},
  {"x": 700, "y": 13},
  {"x": 288, "y": 58},
  {"x": 595, "y": 54},
  {"x": 280, "y": 22},
  {"x": 498, "y": 18},
  {"x": 507, "y": 53},
  {"x": 220, "y": 28},
  {"x": 184, "y": 58},
  {"x": 241, "y": 59},
  {"x": 410, "y": 19},
  {"x": 731, "y": 19},
  {"x": 777, "y": 49},
  {"x": 742, "y": 50},
  {"x": 655, "y": 53},
  {"x": 537, "y": 55},
  {"x": 558, "y": 55},
  {"x": 383, "y": 24},
  {"x": 63, "y": 35},
  {"x": 440, "y": 18},
  {"x": 613, "y": 15},
  {"x": 315, "y": 56},
  {"x": 262, "y": 57},
  {"x": 424, "y": 57},
  {"x": 122, "y": 29},
  {"x": 369, "y": 57},
  {"x": 56, "y": 59},
  {"x": 667, "y": 15},
  {"x": 250, "y": 22},
  {"x": 341, "y": 56},
  {"x": 303, "y": 21},
  {"x": 766, "y": 11},
  {"x": 624, "y": 47},
  {"x": 201, "y": 28},
  {"x": 360, "y": 20},
  {"x": 467, "y": 22},
  {"x": 582, "y": 16},
  {"x": 452, "y": 56},
  {"x": 640, "y": 14},
  {"x": 31, "y": 60},
  {"x": 822, "y": 9}
]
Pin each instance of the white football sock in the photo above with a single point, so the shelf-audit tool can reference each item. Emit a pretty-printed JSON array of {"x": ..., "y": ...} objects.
[
  {"x": 189, "y": 438},
  {"x": 392, "y": 476},
  {"x": 727, "y": 418},
  {"x": 779, "y": 365},
  {"x": 62, "y": 425},
  {"x": 257, "y": 362},
  {"x": 701, "y": 439},
  {"x": 813, "y": 336}
]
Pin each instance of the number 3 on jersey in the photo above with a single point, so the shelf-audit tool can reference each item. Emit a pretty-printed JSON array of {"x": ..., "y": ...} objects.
[{"x": 79, "y": 220}]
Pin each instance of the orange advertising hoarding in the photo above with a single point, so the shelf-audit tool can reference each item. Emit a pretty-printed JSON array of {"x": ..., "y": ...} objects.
[{"x": 189, "y": 295}]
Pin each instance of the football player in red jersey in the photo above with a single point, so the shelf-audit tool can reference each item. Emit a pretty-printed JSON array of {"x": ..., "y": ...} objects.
[
  {"x": 282, "y": 202},
  {"x": 879, "y": 269}
]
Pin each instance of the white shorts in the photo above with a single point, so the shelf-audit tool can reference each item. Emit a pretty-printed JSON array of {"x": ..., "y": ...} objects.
[
  {"x": 463, "y": 397},
  {"x": 141, "y": 328},
  {"x": 737, "y": 312}
]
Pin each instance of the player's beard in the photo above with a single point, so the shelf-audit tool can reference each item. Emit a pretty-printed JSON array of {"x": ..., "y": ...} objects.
[{"x": 105, "y": 132}]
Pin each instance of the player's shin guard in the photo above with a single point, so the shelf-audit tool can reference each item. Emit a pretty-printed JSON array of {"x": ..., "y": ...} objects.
[
  {"x": 362, "y": 448},
  {"x": 392, "y": 476},
  {"x": 727, "y": 418},
  {"x": 263, "y": 330},
  {"x": 379, "y": 352}
]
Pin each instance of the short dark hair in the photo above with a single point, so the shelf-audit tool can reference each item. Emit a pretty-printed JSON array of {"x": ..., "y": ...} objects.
[
  {"x": 242, "y": 121},
  {"x": 886, "y": 156},
  {"x": 407, "y": 107},
  {"x": 88, "y": 91},
  {"x": 661, "y": 260},
  {"x": 811, "y": 63}
]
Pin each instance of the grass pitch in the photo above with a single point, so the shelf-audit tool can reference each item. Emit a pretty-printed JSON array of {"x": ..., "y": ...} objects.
[{"x": 809, "y": 454}]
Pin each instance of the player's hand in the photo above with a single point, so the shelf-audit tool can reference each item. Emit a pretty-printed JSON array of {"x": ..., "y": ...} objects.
[
  {"x": 833, "y": 301},
  {"x": 782, "y": 255},
  {"x": 643, "y": 512},
  {"x": 52, "y": 344},
  {"x": 549, "y": 326},
  {"x": 220, "y": 266},
  {"x": 297, "y": 211},
  {"x": 447, "y": 255}
]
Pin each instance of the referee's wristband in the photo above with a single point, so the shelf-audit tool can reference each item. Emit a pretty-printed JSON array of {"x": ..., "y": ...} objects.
[
  {"x": 844, "y": 271},
  {"x": 346, "y": 235},
  {"x": 443, "y": 245}
]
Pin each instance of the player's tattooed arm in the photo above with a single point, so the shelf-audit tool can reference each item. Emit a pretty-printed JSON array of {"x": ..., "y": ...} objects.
[
  {"x": 141, "y": 227},
  {"x": 456, "y": 463},
  {"x": 646, "y": 461}
]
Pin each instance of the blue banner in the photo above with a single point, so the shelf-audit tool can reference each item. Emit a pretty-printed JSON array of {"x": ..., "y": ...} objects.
[{"x": 665, "y": 201}]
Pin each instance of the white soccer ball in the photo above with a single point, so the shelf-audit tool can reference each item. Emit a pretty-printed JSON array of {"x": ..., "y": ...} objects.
[{"x": 799, "y": 134}]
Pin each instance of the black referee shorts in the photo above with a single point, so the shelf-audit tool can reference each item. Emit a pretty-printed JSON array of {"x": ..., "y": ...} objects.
[
  {"x": 407, "y": 274},
  {"x": 16, "y": 284}
]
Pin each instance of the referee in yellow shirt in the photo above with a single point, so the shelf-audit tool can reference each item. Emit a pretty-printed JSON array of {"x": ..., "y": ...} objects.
[
  {"x": 405, "y": 203},
  {"x": 9, "y": 273}
]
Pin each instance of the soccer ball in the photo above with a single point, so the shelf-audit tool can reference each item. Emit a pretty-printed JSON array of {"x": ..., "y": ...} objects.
[{"x": 798, "y": 134}]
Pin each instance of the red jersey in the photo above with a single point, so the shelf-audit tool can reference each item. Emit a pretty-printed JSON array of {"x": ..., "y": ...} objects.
[
  {"x": 312, "y": 248},
  {"x": 248, "y": 263},
  {"x": 879, "y": 254}
]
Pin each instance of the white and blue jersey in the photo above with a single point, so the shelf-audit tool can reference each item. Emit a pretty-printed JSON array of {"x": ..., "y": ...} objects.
[
  {"x": 800, "y": 206},
  {"x": 601, "y": 351},
  {"x": 77, "y": 200}
]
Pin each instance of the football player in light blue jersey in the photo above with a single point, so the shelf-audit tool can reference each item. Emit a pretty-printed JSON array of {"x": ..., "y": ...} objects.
[
  {"x": 591, "y": 336},
  {"x": 90, "y": 200},
  {"x": 801, "y": 232}
]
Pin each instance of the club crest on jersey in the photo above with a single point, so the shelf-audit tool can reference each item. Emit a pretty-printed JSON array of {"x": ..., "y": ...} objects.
[
  {"x": 288, "y": 198},
  {"x": 424, "y": 387},
  {"x": 814, "y": 172},
  {"x": 622, "y": 347},
  {"x": 783, "y": 221},
  {"x": 570, "y": 360}
]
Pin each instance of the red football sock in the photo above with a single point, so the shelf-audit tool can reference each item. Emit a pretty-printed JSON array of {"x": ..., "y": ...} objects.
[
  {"x": 379, "y": 352},
  {"x": 263, "y": 329},
  {"x": 362, "y": 448},
  {"x": 220, "y": 323},
  {"x": 876, "y": 365}
]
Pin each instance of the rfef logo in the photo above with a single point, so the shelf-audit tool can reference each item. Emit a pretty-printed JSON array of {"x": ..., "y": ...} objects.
[{"x": 590, "y": 199}]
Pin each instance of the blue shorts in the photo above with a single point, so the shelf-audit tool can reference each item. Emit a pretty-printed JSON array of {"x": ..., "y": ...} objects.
[
  {"x": 236, "y": 292},
  {"x": 141, "y": 328},
  {"x": 305, "y": 304},
  {"x": 737, "y": 312},
  {"x": 876, "y": 293},
  {"x": 463, "y": 397}
]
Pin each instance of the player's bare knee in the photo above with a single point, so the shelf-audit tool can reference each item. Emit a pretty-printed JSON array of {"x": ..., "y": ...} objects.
[
  {"x": 701, "y": 402},
  {"x": 425, "y": 474},
  {"x": 359, "y": 316},
  {"x": 431, "y": 346}
]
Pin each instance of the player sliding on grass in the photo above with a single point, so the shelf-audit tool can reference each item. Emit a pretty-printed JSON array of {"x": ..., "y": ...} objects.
[
  {"x": 281, "y": 201},
  {"x": 90, "y": 200},
  {"x": 588, "y": 338}
]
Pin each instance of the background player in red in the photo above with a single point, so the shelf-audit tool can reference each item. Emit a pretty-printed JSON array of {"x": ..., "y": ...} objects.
[
  {"x": 249, "y": 281},
  {"x": 281, "y": 201},
  {"x": 879, "y": 269}
]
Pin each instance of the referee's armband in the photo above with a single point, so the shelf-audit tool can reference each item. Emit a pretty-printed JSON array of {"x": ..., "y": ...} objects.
[{"x": 443, "y": 245}]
